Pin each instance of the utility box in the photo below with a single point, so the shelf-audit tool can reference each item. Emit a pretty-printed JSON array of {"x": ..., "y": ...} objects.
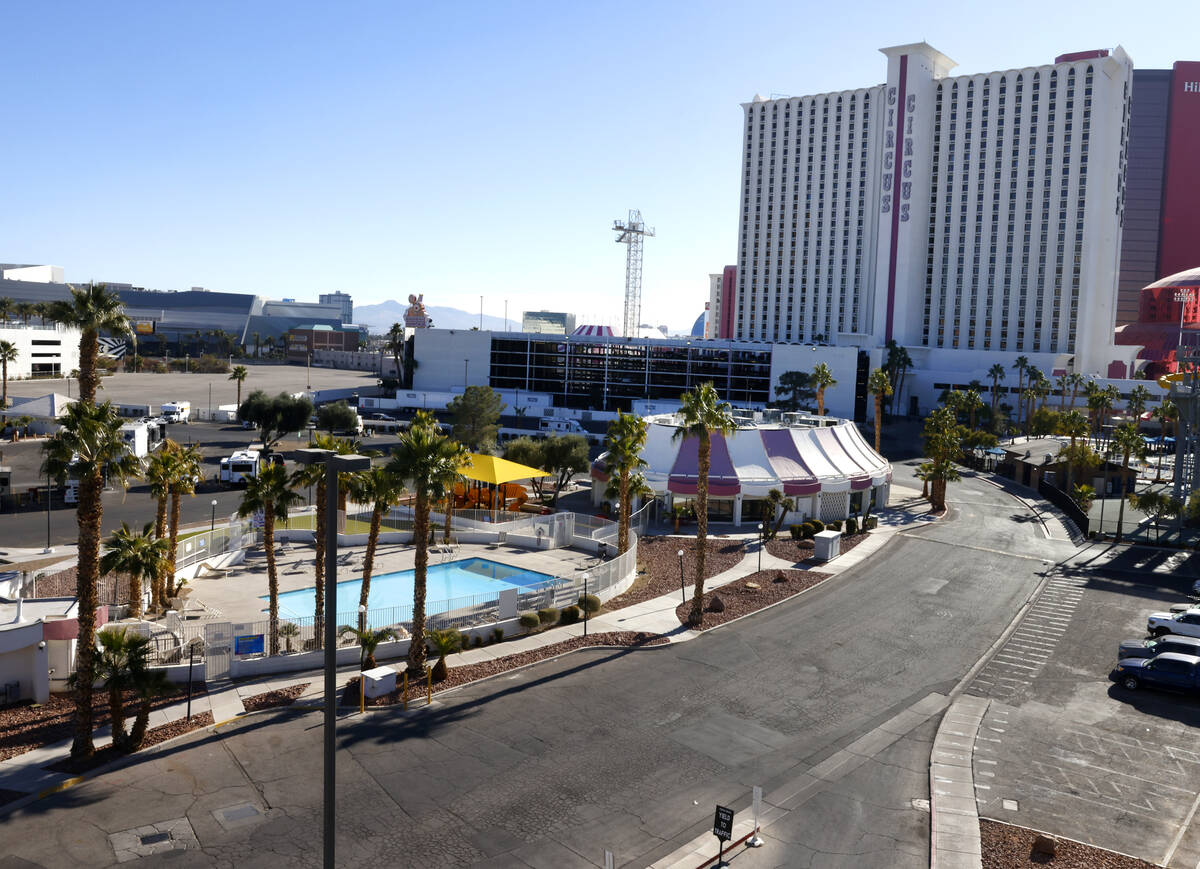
[
  {"x": 827, "y": 545},
  {"x": 380, "y": 681}
]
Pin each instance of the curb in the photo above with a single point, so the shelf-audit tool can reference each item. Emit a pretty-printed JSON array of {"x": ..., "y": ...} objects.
[{"x": 954, "y": 839}]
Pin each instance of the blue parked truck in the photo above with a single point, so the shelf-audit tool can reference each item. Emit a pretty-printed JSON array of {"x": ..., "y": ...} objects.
[{"x": 1170, "y": 670}]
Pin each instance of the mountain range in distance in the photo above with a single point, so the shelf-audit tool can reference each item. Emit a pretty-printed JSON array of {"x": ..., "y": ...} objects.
[{"x": 378, "y": 318}]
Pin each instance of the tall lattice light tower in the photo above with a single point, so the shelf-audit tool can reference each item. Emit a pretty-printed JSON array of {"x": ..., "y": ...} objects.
[{"x": 630, "y": 233}]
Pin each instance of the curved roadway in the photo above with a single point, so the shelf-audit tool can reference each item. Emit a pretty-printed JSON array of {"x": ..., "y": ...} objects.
[{"x": 625, "y": 751}]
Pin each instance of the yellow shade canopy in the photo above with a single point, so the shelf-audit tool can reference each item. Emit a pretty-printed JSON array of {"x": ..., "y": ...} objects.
[{"x": 495, "y": 470}]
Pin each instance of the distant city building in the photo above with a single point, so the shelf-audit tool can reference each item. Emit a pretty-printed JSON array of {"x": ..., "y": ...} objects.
[
  {"x": 301, "y": 341},
  {"x": 342, "y": 300},
  {"x": 34, "y": 274},
  {"x": 722, "y": 290},
  {"x": 1161, "y": 235},
  {"x": 548, "y": 322},
  {"x": 42, "y": 351}
]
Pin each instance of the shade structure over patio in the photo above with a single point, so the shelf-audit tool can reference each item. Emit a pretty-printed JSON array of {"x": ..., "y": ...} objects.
[{"x": 495, "y": 470}]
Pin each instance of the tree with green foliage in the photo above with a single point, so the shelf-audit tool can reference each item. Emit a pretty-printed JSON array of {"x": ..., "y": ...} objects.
[
  {"x": 186, "y": 468},
  {"x": 121, "y": 655},
  {"x": 1021, "y": 364},
  {"x": 528, "y": 451},
  {"x": 776, "y": 506},
  {"x": 1044, "y": 422},
  {"x": 476, "y": 415},
  {"x": 379, "y": 488},
  {"x": 943, "y": 444},
  {"x": 1138, "y": 396},
  {"x": 443, "y": 643},
  {"x": 428, "y": 463},
  {"x": 880, "y": 386},
  {"x": 88, "y": 446},
  {"x": 972, "y": 404},
  {"x": 270, "y": 493},
  {"x": 1164, "y": 413},
  {"x": 626, "y": 441},
  {"x": 564, "y": 457},
  {"x": 1073, "y": 425},
  {"x": 275, "y": 416},
  {"x": 368, "y": 642},
  {"x": 794, "y": 390},
  {"x": 337, "y": 417},
  {"x": 148, "y": 685},
  {"x": 239, "y": 375},
  {"x": 140, "y": 556},
  {"x": 896, "y": 364},
  {"x": 1126, "y": 441},
  {"x": 1157, "y": 505},
  {"x": 822, "y": 378},
  {"x": 997, "y": 373},
  {"x": 92, "y": 310},
  {"x": 8, "y": 353},
  {"x": 702, "y": 414}
]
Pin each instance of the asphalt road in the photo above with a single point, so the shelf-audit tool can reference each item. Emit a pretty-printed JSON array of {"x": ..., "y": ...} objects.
[{"x": 619, "y": 750}]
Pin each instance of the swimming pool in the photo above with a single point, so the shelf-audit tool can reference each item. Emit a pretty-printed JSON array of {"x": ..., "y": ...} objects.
[{"x": 444, "y": 583}]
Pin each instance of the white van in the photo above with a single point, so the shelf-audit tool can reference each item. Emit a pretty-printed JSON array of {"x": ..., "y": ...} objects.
[
  {"x": 176, "y": 411},
  {"x": 241, "y": 467}
]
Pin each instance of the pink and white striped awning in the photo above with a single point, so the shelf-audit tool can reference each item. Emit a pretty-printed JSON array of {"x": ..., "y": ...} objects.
[{"x": 587, "y": 331}]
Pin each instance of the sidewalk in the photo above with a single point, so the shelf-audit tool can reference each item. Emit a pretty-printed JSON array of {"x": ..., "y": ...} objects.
[{"x": 25, "y": 773}]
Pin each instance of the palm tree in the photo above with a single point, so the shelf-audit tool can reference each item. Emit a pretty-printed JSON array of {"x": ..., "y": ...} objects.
[
  {"x": 186, "y": 468},
  {"x": 138, "y": 556},
  {"x": 1127, "y": 441},
  {"x": 25, "y": 310},
  {"x": 972, "y": 404},
  {"x": 271, "y": 494},
  {"x": 121, "y": 655},
  {"x": 1022, "y": 365},
  {"x": 822, "y": 378},
  {"x": 880, "y": 386},
  {"x": 160, "y": 472},
  {"x": 1164, "y": 413},
  {"x": 8, "y": 353},
  {"x": 996, "y": 372},
  {"x": 379, "y": 488},
  {"x": 147, "y": 684},
  {"x": 42, "y": 310},
  {"x": 775, "y": 507},
  {"x": 1062, "y": 382},
  {"x": 444, "y": 642},
  {"x": 626, "y": 441},
  {"x": 1074, "y": 425},
  {"x": 87, "y": 446},
  {"x": 429, "y": 463},
  {"x": 239, "y": 373},
  {"x": 1076, "y": 380},
  {"x": 395, "y": 345},
  {"x": 92, "y": 310},
  {"x": 701, "y": 415},
  {"x": 1138, "y": 396},
  {"x": 6, "y": 307},
  {"x": 368, "y": 642},
  {"x": 314, "y": 476},
  {"x": 255, "y": 336}
]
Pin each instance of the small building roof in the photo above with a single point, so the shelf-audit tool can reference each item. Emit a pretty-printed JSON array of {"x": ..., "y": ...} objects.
[{"x": 50, "y": 406}]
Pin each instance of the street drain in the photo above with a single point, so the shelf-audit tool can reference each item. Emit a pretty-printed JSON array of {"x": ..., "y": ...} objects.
[
  {"x": 155, "y": 838},
  {"x": 237, "y": 815}
]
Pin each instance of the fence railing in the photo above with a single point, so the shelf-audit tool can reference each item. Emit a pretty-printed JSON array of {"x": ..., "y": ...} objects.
[
  {"x": 1063, "y": 501},
  {"x": 594, "y": 527},
  {"x": 209, "y": 544}
]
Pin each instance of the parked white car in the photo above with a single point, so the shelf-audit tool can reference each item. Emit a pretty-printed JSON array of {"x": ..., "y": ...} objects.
[{"x": 1185, "y": 624}]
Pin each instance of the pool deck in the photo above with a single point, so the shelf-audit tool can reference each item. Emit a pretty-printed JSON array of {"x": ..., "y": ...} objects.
[{"x": 236, "y": 596}]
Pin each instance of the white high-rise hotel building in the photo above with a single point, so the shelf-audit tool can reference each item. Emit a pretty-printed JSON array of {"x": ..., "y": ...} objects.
[{"x": 972, "y": 218}]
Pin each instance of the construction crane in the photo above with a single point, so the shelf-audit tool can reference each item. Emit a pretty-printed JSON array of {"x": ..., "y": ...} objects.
[{"x": 630, "y": 233}]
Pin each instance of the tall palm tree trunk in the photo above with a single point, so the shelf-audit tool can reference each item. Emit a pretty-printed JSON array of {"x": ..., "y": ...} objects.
[
  {"x": 878, "y": 418},
  {"x": 116, "y": 711},
  {"x": 319, "y": 567},
  {"x": 135, "y": 595},
  {"x": 449, "y": 516},
  {"x": 4, "y": 397},
  {"x": 1121, "y": 505},
  {"x": 89, "y": 349},
  {"x": 369, "y": 563},
  {"x": 159, "y": 580},
  {"x": 623, "y": 513},
  {"x": 416, "y": 646},
  {"x": 272, "y": 577},
  {"x": 821, "y": 401},
  {"x": 87, "y": 571},
  {"x": 176, "y": 499},
  {"x": 703, "y": 461}
]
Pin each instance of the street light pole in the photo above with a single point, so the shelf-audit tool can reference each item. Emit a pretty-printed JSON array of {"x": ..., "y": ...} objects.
[
  {"x": 333, "y": 465},
  {"x": 213, "y": 524},
  {"x": 682, "y": 593},
  {"x": 760, "y": 546}
]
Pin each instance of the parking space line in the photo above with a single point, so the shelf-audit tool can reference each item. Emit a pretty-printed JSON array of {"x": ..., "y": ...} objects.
[{"x": 1179, "y": 835}]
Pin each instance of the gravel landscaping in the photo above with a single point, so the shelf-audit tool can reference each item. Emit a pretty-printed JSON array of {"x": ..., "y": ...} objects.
[
  {"x": 27, "y": 726},
  {"x": 658, "y": 557},
  {"x": 797, "y": 551},
  {"x": 461, "y": 675},
  {"x": 751, "y": 594},
  {"x": 154, "y": 736},
  {"x": 272, "y": 699},
  {"x": 1006, "y": 846}
]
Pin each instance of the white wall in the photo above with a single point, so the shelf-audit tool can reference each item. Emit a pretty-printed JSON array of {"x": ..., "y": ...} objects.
[
  {"x": 440, "y": 354},
  {"x": 63, "y": 348},
  {"x": 23, "y": 662}
]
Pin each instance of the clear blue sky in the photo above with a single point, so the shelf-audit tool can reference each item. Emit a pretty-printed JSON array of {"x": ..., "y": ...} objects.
[{"x": 454, "y": 149}]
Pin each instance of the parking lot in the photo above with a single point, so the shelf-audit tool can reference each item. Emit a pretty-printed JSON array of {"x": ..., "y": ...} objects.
[{"x": 1064, "y": 750}]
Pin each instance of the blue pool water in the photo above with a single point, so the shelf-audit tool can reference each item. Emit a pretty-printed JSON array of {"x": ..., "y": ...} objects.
[{"x": 444, "y": 584}]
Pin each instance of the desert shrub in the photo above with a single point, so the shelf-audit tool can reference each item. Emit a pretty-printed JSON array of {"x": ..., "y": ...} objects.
[
  {"x": 870, "y": 523},
  {"x": 529, "y": 621},
  {"x": 570, "y": 615},
  {"x": 548, "y": 615},
  {"x": 818, "y": 525},
  {"x": 807, "y": 530},
  {"x": 497, "y": 634},
  {"x": 797, "y": 531},
  {"x": 477, "y": 641},
  {"x": 589, "y": 603},
  {"x": 851, "y": 525},
  {"x": 835, "y": 525}
]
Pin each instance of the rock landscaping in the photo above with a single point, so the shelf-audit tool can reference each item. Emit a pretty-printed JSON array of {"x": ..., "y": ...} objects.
[
  {"x": 1008, "y": 847},
  {"x": 273, "y": 699},
  {"x": 472, "y": 672},
  {"x": 27, "y": 725},
  {"x": 658, "y": 557},
  {"x": 797, "y": 551},
  {"x": 750, "y": 594}
]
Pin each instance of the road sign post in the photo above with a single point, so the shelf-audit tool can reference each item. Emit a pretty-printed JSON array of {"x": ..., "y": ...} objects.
[
  {"x": 723, "y": 830},
  {"x": 755, "y": 840}
]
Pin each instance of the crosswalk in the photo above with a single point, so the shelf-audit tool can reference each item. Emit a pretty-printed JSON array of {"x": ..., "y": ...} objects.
[{"x": 1032, "y": 644}]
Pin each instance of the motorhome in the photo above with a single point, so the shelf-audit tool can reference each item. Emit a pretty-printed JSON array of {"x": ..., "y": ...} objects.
[
  {"x": 241, "y": 467},
  {"x": 176, "y": 411},
  {"x": 143, "y": 437}
]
